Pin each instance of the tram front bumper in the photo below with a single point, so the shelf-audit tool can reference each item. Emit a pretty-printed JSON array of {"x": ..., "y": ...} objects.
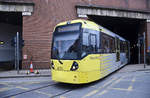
[{"x": 72, "y": 77}]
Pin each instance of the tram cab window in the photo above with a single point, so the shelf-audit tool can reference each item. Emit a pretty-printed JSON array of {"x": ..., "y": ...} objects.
[
  {"x": 66, "y": 42},
  {"x": 90, "y": 42}
]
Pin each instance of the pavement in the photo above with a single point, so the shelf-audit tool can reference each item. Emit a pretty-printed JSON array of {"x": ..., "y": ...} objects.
[
  {"x": 134, "y": 67},
  {"x": 25, "y": 73},
  {"x": 47, "y": 72}
]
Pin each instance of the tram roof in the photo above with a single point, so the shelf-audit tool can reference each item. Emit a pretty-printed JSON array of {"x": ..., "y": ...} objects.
[{"x": 92, "y": 25}]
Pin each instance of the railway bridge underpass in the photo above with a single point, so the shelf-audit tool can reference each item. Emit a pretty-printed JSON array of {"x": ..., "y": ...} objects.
[
  {"x": 127, "y": 23},
  {"x": 11, "y": 22}
]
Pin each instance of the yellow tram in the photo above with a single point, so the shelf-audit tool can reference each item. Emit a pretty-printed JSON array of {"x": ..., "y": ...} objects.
[{"x": 83, "y": 51}]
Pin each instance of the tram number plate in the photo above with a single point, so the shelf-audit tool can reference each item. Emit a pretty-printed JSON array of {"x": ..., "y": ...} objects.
[{"x": 59, "y": 68}]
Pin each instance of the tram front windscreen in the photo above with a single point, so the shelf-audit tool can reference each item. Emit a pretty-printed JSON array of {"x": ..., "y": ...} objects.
[{"x": 66, "y": 42}]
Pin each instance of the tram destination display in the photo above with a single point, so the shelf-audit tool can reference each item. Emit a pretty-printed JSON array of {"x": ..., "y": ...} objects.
[{"x": 75, "y": 27}]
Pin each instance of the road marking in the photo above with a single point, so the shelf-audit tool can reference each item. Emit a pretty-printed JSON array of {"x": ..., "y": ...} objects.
[
  {"x": 12, "y": 97},
  {"x": 43, "y": 93},
  {"x": 109, "y": 87},
  {"x": 117, "y": 81},
  {"x": 107, "y": 83},
  {"x": 22, "y": 88},
  {"x": 32, "y": 82},
  {"x": 95, "y": 91},
  {"x": 122, "y": 89},
  {"x": 6, "y": 84},
  {"x": 63, "y": 97},
  {"x": 90, "y": 94},
  {"x": 130, "y": 88},
  {"x": 5, "y": 89},
  {"x": 34, "y": 91},
  {"x": 103, "y": 92},
  {"x": 93, "y": 86},
  {"x": 133, "y": 80}
]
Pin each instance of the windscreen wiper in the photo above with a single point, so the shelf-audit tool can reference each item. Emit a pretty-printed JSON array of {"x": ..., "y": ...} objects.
[
  {"x": 60, "y": 61},
  {"x": 58, "y": 58}
]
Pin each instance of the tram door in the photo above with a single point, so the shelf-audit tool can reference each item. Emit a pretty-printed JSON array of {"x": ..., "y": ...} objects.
[{"x": 117, "y": 45}]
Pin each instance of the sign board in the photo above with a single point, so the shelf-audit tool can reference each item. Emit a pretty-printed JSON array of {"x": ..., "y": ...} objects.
[
  {"x": 26, "y": 13},
  {"x": 148, "y": 20},
  {"x": 82, "y": 16},
  {"x": 25, "y": 57}
]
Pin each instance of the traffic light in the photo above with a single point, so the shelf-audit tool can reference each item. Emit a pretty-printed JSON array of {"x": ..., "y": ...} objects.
[
  {"x": 1, "y": 42},
  {"x": 21, "y": 43},
  {"x": 14, "y": 42}
]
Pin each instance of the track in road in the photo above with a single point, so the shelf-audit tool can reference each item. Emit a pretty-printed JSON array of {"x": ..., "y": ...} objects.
[{"x": 27, "y": 90}]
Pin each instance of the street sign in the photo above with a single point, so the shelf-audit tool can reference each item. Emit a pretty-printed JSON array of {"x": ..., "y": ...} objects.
[{"x": 25, "y": 57}]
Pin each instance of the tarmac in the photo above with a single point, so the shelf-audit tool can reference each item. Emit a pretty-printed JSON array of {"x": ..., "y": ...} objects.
[{"x": 47, "y": 72}]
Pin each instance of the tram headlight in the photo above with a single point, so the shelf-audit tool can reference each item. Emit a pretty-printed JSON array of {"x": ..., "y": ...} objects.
[
  {"x": 74, "y": 66},
  {"x": 52, "y": 65}
]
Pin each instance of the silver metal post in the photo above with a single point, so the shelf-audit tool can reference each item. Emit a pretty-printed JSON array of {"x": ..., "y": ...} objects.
[
  {"x": 139, "y": 50},
  {"x": 144, "y": 50},
  {"x": 17, "y": 43},
  {"x": 15, "y": 53}
]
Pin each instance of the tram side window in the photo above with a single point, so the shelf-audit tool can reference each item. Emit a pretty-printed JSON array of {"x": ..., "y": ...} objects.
[
  {"x": 85, "y": 44},
  {"x": 112, "y": 45},
  {"x": 93, "y": 43},
  {"x": 104, "y": 45},
  {"x": 125, "y": 47},
  {"x": 121, "y": 46},
  {"x": 107, "y": 44},
  {"x": 89, "y": 44}
]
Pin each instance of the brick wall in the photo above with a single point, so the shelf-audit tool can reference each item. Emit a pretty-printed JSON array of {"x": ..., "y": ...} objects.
[
  {"x": 127, "y": 4},
  {"x": 37, "y": 29},
  {"x": 37, "y": 35}
]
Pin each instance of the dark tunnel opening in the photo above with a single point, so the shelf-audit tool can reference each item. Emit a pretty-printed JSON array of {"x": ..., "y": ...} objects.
[
  {"x": 10, "y": 23},
  {"x": 125, "y": 27}
]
